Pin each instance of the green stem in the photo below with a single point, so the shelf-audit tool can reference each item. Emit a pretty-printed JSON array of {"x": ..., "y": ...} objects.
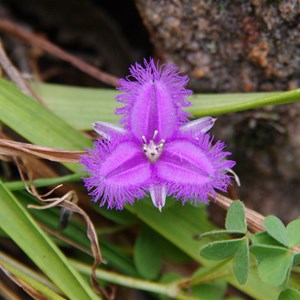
[
  {"x": 42, "y": 182},
  {"x": 170, "y": 290}
]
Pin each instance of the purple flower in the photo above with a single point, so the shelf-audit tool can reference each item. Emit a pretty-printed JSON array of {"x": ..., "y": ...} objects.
[{"x": 157, "y": 150}]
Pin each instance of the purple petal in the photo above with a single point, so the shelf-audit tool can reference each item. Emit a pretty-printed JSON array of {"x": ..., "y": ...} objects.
[
  {"x": 119, "y": 172},
  {"x": 107, "y": 129},
  {"x": 192, "y": 169},
  {"x": 158, "y": 195},
  {"x": 153, "y": 101},
  {"x": 202, "y": 125}
]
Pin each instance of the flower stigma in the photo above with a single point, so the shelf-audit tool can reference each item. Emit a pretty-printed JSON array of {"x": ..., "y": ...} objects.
[{"x": 151, "y": 149}]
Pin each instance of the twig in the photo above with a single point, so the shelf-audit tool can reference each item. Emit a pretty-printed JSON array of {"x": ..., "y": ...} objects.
[
  {"x": 13, "y": 73},
  {"x": 54, "y": 50}
]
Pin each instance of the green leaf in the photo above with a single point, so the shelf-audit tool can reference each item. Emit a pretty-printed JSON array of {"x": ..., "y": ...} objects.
[
  {"x": 19, "y": 225},
  {"x": 76, "y": 232},
  {"x": 236, "y": 218},
  {"x": 147, "y": 256},
  {"x": 296, "y": 260},
  {"x": 273, "y": 263},
  {"x": 218, "y": 233},
  {"x": 214, "y": 290},
  {"x": 118, "y": 216},
  {"x": 35, "y": 123},
  {"x": 293, "y": 232},
  {"x": 190, "y": 221},
  {"x": 276, "y": 229},
  {"x": 289, "y": 294},
  {"x": 80, "y": 106},
  {"x": 241, "y": 262},
  {"x": 221, "y": 250},
  {"x": 263, "y": 238},
  {"x": 19, "y": 271},
  {"x": 262, "y": 252}
]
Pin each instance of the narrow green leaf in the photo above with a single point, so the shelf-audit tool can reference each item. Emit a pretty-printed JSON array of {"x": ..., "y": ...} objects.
[
  {"x": 241, "y": 262},
  {"x": 80, "y": 106},
  {"x": 36, "y": 285},
  {"x": 147, "y": 255},
  {"x": 236, "y": 218},
  {"x": 203, "y": 105},
  {"x": 19, "y": 225},
  {"x": 276, "y": 229},
  {"x": 222, "y": 249},
  {"x": 289, "y": 294},
  {"x": 35, "y": 123},
  {"x": 76, "y": 232},
  {"x": 293, "y": 232}
]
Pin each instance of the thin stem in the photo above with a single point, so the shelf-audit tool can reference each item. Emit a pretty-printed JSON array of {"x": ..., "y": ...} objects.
[
  {"x": 33, "y": 39},
  {"x": 42, "y": 182},
  {"x": 208, "y": 276},
  {"x": 12, "y": 72},
  {"x": 169, "y": 289}
]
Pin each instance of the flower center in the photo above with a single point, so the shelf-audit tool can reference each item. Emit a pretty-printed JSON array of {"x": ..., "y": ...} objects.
[{"x": 153, "y": 150}]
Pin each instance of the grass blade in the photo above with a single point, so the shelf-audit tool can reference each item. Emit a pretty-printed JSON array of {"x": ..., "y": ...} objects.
[
  {"x": 80, "y": 106},
  {"x": 19, "y": 225}
]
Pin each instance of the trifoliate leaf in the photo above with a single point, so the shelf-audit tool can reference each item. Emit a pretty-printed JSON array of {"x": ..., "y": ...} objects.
[
  {"x": 236, "y": 218},
  {"x": 241, "y": 262},
  {"x": 293, "y": 232},
  {"x": 276, "y": 230},
  {"x": 273, "y": 263},
  {"x": 263, "y": 238},
  {"x": 221, "y": 250}
]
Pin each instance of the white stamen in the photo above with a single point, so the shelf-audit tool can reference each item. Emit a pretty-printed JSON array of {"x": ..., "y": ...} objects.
[
  {"x": 151, "y": 149},
  {"x": 235, "y": 176}
]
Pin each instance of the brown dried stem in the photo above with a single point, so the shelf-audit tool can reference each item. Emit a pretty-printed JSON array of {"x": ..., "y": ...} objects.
[
  {"x": 69, "y": 202},
  {"x": 31, "y": 38},
  {"x": 13, "y": 148},
  {"x": 13, "y": 73},
  {"x": 25, "y": 286}
]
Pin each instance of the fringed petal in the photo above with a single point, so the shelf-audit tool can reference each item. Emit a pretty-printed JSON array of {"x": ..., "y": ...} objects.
[
  {"x": 119, "y": 172},
  {"x": 154, "y": 101},
  {"x": 192, "y": 169}
]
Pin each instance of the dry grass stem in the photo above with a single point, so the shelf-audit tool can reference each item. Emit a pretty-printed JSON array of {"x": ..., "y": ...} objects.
[
  {"x": 13, "y": 148},
  {"x": 13, "y": 73},
  {"x": 69, "y": 202},
  {"x": 25, "y": 286}
]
